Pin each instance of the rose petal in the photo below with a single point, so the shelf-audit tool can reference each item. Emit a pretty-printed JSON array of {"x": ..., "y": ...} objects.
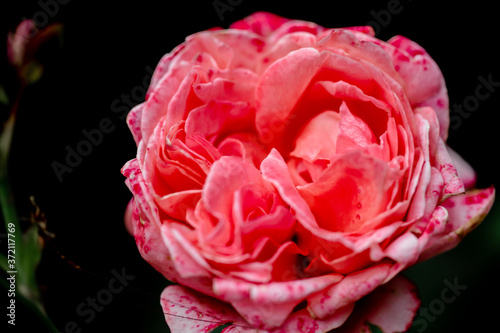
[
  {"x": 215, "y": 119},
  {"x": 128, "y": 216},
  {"x": 354, "y": 133},
  {"x": 176, "y": 204},
  {"x": 274, "y": 170},
  {"x": 353, "y": 287},
  {"x": 319, "y": 138},
  {"x": 391, "y": 307},
  {"x": 453, "y": 185},
  {"x": 425, "y": 85},
  {"x": 261, "y": 23},
  {"x": 188, "y": 311},
  {"x": 346, "y": 41},
  {"x": 187, "y": 261},
  {"x": 466, "y": 212},
  {"x": 227, "y": 175},
  {"x": 404, "y": 250},
  {"x": 352, "y": 190},
  {"x": 301, "y": 322},
  {"x": 269, "y": 305}
]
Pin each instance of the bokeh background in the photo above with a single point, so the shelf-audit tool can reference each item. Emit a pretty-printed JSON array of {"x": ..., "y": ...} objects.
[{"x": 105, "y": 52}]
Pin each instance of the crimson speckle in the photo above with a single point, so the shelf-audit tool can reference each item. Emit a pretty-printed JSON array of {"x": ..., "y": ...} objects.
[
  {"x": 476, "y": 199},
  {"x": 259, "y": 44}
]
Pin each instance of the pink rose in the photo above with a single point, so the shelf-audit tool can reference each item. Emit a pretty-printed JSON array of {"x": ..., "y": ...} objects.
[{"x": 288, "y": 171}]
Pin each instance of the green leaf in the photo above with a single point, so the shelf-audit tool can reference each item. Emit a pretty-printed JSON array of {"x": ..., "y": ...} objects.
[
  {"x": 374, "y": 328},
  {"x": 220, "y": 328},
  {"x": 3, "y": 96},
  {"x": 32, "y": 254}
]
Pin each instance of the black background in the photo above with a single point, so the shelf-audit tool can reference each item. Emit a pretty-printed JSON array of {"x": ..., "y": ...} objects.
[{"x": 105, "y": 52}]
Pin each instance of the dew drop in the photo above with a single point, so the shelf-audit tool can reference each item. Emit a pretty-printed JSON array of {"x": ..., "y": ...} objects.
[
  {"x": 358, "y": 217},
  {"x": 358, "y": 206}
]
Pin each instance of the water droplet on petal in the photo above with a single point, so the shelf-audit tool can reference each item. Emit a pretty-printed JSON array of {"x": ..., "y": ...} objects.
[
  {"x": 358, "y": 217},
  {"x": 358, "y": 206}
]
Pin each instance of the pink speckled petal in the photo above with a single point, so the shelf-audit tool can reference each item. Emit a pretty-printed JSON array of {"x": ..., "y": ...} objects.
[
  {"x": 301, "y": 322},
  {"x": 353, "y": 287},
  {"x": 134, "y": 122},
  {"x": 187, "y": 311},
  {"x": 146, "y": 226},
  {"x": 453, "y": 185},
  {"x": 187, "y": 261},
  {"x": 346, "y": 41},
  {"x": 425, "y": 85},
  {"x": 365, "y": 29},
  {"x": 465, "y": 212},
  {"x": 421, "y": 74},
  {"x": 441, "y": 106},
  {"x": 269, "y": 305},
  {"x": 391, "y": 307},
  {"x": 128, "y": 217},
  {"x": 261, "y": 23}
]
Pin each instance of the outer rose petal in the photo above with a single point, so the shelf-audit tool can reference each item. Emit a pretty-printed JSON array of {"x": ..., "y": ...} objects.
[
  {"x": 261, "y": 23},
  {"x": 466, "y": 212},
  {"x": 391, "y": 307},
  {"x": 425, "y": 85},
  {"x": 187, "y": 311},
  {"x": 349, "y": 290},
  {"x": 129, "y": 225},
  {"x": 268, "y": 305}
]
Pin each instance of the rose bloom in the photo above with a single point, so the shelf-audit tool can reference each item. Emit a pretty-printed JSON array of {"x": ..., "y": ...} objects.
[{"x": 285, "y": 171}]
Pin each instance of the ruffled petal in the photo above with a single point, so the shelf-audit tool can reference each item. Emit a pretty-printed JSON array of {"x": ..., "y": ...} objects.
[
  {"x": 390, "y": 307},
  {"x": 187, "y": 311},
  {"x": 352, "y": 288},
  {"x": 425, "y": 85},
  {"x": 269, "y": 305},
  {"x": 261, "y": 23},
  {"x": 319, "y": 138},
  {"x": 465, "y": 212}
]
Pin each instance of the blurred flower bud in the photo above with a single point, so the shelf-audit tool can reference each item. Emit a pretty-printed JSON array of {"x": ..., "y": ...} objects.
[
  {"x": 18, "y": 41},
  {"x": 23, "y": 45}
]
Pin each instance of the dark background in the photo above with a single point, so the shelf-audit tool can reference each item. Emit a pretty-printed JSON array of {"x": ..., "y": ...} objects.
[{"x": 106, "y": 49}]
